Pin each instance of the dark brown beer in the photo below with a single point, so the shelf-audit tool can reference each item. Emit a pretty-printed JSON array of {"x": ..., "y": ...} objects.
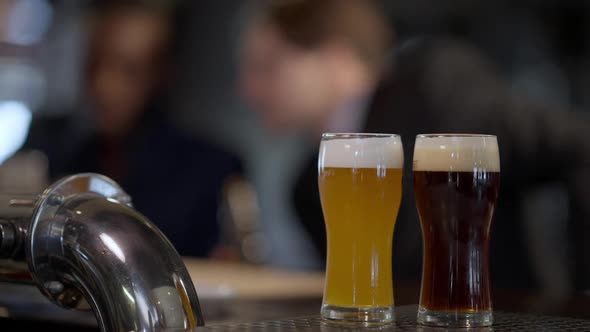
[{"x": 455, "y": 211}]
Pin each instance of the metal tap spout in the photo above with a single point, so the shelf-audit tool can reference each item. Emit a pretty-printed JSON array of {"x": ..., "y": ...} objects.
[{"x": 85, "y": 245}]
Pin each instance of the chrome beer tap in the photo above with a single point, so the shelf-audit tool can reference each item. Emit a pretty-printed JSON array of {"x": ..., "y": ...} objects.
[{"x": 85, "y": 247}]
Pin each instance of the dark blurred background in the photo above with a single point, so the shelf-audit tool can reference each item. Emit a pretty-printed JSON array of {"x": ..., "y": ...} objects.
[{"x": 541, "y": 48}]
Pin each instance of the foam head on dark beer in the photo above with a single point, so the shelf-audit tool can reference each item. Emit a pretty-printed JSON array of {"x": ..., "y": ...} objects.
[
  {"x": 369, "y": 152},
  {"x": 456, "y": 154}
]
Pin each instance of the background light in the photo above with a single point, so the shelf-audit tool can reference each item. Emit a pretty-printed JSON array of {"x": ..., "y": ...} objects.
[
  {"x": 27, "y": 21},
  {"x": 15, "y": 120}
]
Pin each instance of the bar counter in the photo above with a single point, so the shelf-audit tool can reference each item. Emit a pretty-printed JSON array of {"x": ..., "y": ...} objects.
[{"x": 235, "y": 293}]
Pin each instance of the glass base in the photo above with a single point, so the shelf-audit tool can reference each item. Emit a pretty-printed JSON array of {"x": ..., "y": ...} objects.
[
  {"x": 454, "y": 319},
  {"x": 364, "y": 316}
]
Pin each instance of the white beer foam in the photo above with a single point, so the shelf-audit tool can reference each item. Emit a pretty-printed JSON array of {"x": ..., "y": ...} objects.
[
  {"x": 456, "y": 153},
  {"x": 371, "y": 152}
]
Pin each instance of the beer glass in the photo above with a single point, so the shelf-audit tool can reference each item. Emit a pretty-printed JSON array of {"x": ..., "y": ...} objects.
[
  {"x": 456, "y": 181},
  {"x": 360, "y": 181}
]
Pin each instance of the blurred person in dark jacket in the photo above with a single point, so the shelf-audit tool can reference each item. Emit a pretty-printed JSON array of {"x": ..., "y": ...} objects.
[
  {"x": 175, "y": 180},
  {"x": 298, "y": 59}
]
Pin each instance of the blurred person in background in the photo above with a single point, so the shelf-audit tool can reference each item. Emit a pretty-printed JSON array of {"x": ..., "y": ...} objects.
[
  {"x": 305, "y": 67},
  {"x": 294, "y": 71},
  {"x": 319, "y": 65},
  {"x": 175, "y": 180}
]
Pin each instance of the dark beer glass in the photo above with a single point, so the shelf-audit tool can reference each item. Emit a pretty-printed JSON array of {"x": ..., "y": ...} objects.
[{"x": 456, "y": 181}]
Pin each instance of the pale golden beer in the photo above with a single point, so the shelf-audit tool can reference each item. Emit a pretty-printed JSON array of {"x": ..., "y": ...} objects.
[{"x": 360, "y": 181}]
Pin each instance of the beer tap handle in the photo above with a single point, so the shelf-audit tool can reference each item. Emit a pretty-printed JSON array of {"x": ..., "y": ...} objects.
[{"x": 18, "y": 202}]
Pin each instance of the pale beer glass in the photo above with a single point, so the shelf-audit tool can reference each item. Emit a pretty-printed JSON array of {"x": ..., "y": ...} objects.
[
  {"x": 360, "y": 181},
  {"x": 456, "y": 182}
]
